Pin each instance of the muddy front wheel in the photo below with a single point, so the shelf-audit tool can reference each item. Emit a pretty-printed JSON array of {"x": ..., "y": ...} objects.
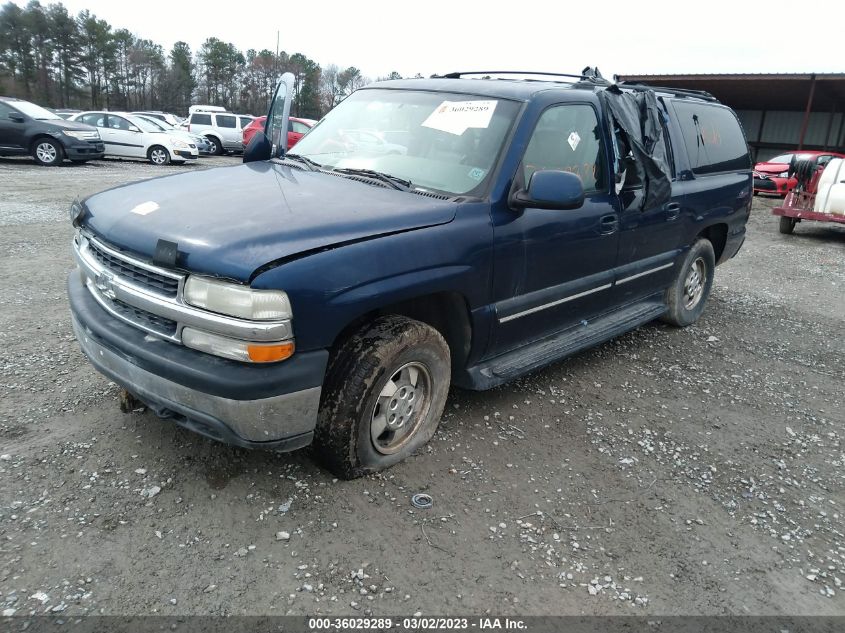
[{"x": 383, "y": 396}]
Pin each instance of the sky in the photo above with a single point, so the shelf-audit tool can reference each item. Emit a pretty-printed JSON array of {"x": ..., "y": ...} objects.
[{"x": 377, "y": 36}]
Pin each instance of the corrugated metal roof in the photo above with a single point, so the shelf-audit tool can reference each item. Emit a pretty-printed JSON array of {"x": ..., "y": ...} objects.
[{"x": 760, "y": 91}]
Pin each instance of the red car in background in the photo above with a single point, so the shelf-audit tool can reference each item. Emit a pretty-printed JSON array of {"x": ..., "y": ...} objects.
[
  {"x": 772, "y": 176},
  {"x": 296, "y": 129}
]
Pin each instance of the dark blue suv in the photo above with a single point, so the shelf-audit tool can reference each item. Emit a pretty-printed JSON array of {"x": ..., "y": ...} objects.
[{"x": 426, "y": 233}]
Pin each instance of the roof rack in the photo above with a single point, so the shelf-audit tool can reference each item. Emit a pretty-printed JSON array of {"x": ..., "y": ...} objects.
[
  {"x": 678, "y": 92},
  {"x": 581, "y": 77}
]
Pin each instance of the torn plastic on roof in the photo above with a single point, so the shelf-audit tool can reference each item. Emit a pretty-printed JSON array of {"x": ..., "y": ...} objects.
[{"x": 637, "y": 116}]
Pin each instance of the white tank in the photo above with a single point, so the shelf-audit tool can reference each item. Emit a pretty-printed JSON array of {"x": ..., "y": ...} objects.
[{"x": 830, "y": 193}]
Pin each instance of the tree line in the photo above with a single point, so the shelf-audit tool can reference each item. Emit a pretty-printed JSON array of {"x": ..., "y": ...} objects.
[{"x": 63, "y": 61}]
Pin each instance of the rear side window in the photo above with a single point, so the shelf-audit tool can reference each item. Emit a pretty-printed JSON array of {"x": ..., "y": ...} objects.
[
  {"x": 201, "y": 119},
  {"x": 225, "y": 121},
  {"x": 713, "y": 138},
  {"x": 96, "y": 119}
]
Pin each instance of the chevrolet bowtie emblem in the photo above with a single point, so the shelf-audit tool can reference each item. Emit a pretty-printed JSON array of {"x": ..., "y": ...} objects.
[{"x": 105, "y": 284}]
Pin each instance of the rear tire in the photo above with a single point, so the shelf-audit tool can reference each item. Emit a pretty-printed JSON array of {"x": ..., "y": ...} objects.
[
  {"x": 786, "y": 225},
  {"x": 383, "y": 396},
  {"x": 47, "y": 152},
  {"x": 216, "y": 145},
  {"x": 688, "y": 294},
  {"x": 158, "y": 155}
]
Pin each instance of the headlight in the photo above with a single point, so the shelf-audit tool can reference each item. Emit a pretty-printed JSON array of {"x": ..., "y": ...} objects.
[
  {"x": 81, "y": 136},
  {"x": 76, "y": 211},
  {"x": 179, "y": 144},
  {"x": 237, "y": 300},
  {"x": 243, "y": 351},
  {"x": 783, "y": 174}
]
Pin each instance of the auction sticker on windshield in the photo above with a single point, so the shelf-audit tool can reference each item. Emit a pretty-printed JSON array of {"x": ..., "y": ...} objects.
[{"x": 455, "y": 117}]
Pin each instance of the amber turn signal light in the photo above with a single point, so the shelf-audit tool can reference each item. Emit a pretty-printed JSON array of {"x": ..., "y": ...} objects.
[{"x": 270, "y": 353}]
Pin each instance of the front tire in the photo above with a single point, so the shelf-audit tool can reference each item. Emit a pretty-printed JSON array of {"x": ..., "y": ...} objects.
[
  {"x": 786, "y": 225},
  {"x": 47, "y": 152},
  {"x": 688, "y": 294},
  {"x": 383, "y": 396},
  {"x": 158, "y": 155}
]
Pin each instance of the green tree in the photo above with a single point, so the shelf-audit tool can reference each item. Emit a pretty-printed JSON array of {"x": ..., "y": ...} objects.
[
  {"x": 16, "y": 59},
  {"x": 97, "y": 55},
  {"x": 66, "y": 41}
]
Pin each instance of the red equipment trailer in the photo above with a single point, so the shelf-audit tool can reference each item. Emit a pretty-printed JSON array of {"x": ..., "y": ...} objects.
[{"x": 798, "y": 204}]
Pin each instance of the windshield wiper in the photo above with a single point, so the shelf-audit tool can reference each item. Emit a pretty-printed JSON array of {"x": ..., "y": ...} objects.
[
  {"x": 394, "y": 181},
  {"x": 303, "y": 159}
]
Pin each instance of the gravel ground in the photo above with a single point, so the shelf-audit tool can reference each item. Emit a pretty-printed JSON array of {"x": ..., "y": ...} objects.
[{"x": 695, "y": 471}]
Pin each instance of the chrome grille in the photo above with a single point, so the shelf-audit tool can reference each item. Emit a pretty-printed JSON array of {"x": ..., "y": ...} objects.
[
  {"x": 166, "y": 286},
  {"x": 151, "y": 321}
]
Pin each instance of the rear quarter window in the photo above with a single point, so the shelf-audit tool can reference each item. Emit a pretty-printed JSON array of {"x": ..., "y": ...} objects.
[
  {"x": 713, "y": 138},
  {"x": 225, "y": 121},
  {"x": 201, "y": 119}
]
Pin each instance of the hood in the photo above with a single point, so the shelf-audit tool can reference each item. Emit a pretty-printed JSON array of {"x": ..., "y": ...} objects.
[
  {"x": 230, "y": 221},
  {"x": 69, "y": 125},
  {"x": 771, "y": 168}
]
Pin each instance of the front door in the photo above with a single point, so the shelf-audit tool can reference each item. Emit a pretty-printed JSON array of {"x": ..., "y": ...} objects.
[
  {"x": 554, "y": 269},
  {"x": 11, "y": 132}
]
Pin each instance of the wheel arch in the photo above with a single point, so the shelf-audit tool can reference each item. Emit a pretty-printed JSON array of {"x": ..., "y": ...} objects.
[
  {"x": 446, "y": 311},
  {"x": 717, "y": 234},
  {"x": 43, "y": 135}
]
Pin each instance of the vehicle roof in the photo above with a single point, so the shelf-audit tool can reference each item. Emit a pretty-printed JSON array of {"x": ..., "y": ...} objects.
[
  {"x": 522, "y": 89},
  {"x": 9, "y": 98}
]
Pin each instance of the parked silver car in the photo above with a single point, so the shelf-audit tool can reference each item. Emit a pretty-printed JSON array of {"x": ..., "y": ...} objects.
[{"x": 203, "y": 146}]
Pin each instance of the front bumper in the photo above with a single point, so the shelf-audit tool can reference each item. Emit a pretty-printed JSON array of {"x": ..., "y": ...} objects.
[
  {"x": 186, "y": 153},
  {"x": 82, "y": 150},
  {"x": 774, "y": 185},
  {"x": 269, "y": 406}
]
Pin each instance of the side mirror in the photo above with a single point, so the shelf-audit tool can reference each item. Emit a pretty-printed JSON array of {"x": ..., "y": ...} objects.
[
  {"x": 16, "y": 117},
  {"x": 259, "y": 148},
  {"x": 550, "y": 189}
]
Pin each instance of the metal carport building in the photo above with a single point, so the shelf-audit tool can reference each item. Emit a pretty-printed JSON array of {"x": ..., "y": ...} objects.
[{"x": 780, "y": 112}]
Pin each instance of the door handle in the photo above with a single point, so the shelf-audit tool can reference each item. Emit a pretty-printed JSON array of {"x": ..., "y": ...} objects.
[
  {"x": 609, "y": 224},
  {"x": 673, "y": 210}
]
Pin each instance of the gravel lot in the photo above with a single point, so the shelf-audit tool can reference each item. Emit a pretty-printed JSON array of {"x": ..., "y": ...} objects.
[{"x": 695, "y": 471}]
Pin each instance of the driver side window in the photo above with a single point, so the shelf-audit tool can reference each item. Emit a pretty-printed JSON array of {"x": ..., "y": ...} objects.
[{"x": 567, "y": 138}]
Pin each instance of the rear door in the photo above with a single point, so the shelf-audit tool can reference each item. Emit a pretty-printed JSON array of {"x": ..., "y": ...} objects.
[
  {"x": 714, "y": 173},
  {"x": 100, "y": 121},
  {"x": 227, "y": 125}
]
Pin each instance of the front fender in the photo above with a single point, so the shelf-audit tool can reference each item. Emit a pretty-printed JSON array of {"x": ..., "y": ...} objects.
[{"x": 330, "y": 289}]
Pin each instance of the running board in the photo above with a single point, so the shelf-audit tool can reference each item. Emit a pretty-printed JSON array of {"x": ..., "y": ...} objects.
[{"x": 558, "y": 346}]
